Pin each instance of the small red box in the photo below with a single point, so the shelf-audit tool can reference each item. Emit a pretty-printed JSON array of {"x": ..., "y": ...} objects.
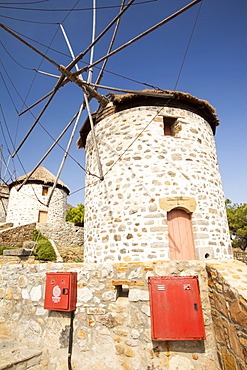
[
  {"x": 61, "y": 291},
  {"x": 176, "y": 311}
]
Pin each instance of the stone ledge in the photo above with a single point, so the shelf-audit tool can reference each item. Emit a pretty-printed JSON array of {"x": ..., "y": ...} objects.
[{"x": 17, "y": 252}]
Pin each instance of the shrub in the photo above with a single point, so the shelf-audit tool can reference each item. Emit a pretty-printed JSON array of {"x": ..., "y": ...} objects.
[{"x": 44, "y": 250}]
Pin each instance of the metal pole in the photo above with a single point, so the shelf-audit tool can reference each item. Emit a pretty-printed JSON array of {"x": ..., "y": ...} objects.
[
  {"x": 94, "y": 138},
  {"x": 1, "y": 149},
  {"x": 29, "y": 45},
  {"x": 34, "y": 124},
  {"x": 90, "y": 72},
  {"x": 66, "y": 153},
  {"x": 103, "y": 100},
  {"x": 48, "y": 151},
  {"x": 100, "y": 75},
  {"x": 81, "y": 55},
  {"x": 37, "y": 102},
  {"x": 139, "y": 36}
]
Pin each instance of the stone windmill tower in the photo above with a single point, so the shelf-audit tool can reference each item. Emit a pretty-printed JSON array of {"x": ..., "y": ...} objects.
[
  {"x": 4, "y": 199},
  {"x": 29, "y": 203},
  {"x": 161, "y": 196}
]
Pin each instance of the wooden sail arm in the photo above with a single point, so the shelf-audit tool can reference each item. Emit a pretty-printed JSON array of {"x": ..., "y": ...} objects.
[{"x": 103, "y": 100}]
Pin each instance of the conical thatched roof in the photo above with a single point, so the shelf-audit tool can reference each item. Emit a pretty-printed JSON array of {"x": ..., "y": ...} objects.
[
  {"x": 40, "y": 176},
  {"x": 4, "y": 191},
  {"x": 177, "y": 99}
]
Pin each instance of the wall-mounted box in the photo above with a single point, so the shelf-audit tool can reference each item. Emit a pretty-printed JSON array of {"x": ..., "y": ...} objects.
[
  {"x": 176, "y": 311},
  {"x": 61, "y": 291}
]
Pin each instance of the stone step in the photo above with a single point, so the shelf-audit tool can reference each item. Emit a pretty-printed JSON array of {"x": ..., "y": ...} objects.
[{"x": 20, "y": 359}]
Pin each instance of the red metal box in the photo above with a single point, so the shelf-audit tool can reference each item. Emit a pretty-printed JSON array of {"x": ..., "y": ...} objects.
[
  {"x": 176, "y": 311},
  {"x": 61, "y": 291}
]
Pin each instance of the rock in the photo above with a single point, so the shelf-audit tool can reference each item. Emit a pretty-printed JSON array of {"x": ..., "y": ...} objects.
[{"x": 29, "y": 244}]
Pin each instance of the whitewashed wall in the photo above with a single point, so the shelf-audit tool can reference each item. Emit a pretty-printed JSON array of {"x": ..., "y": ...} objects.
[
  {"x": 124, "y": 220},
  {"x": 25, "y": 204}
]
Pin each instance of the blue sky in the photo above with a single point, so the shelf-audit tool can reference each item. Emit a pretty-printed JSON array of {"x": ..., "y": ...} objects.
[{"x": 214, "y": 69}]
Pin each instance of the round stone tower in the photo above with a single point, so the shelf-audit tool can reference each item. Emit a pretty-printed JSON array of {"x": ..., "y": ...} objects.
[
  {"x": 4, "y": 199},
  {"x": 161, "y": 195},
  {"x": 29, "y": 203}
]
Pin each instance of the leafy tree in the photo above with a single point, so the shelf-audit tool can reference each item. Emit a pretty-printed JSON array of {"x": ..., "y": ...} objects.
[
  {"x": 76, "y": 215},
  {"x": 237, "y": 220}
]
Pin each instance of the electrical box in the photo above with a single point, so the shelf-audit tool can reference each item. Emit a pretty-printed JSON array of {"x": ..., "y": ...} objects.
[
  {"x": 61, "y": 291},
  {"x": 176, "y": 311}
]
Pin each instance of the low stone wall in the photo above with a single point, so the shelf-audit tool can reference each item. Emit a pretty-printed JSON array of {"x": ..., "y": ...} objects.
[
  {"x": 64, "y": 234},
  {"x": 240, "y": 255},
  {"x": 110, "y": 332},
  {"x": 5, "y": 225},
  {"x": 228, "y": 297},
  {"x": 16, "y": 236}
]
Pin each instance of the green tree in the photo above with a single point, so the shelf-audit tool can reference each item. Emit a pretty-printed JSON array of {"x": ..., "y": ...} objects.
[
  {"x": 76, "y": 215},
  {"x": 237, "y": 220}
]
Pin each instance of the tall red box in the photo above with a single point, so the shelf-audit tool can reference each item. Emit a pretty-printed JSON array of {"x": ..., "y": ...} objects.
[
  {"x": 176, "y": 311},
  {"x": 61, "y": 291}
]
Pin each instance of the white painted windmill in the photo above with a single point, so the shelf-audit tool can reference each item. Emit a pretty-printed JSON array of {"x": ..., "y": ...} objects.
[{"x": 120, "y": 223}]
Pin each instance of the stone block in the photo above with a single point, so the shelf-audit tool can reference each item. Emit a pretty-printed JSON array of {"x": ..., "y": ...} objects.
[
  {"x": 36, "y": 293},
  {"x": 219, "y": 330},
  {"x": 138, "y": 295},
  {"x": 204, "y": 253},
  {"x": 229, "y": 360},
  {"x": 235, "y": 344},
  {"x": 187, "y": 203},
  {"x": 17, "y": 252},
  {"x": 30, "y": 244},
  {"x": 238, "y": 313}
]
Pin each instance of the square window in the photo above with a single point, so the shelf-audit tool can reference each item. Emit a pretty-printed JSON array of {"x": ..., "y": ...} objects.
[
  {"x": 44, "y": 190},
  {"x": 168, "y": 125}
]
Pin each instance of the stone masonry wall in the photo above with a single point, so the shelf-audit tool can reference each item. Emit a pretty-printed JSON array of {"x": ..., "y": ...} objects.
[
  {"x": 3, "y": 209},
  {"x": 124, "y": 219},
  {"x": 110, "y": 332},
  {"x": 64, "y": 234},
  {"x": 228, "y": 297},
  {"x": 240, "y": 255},
  {"x": 4, "y": 199},
  {"x": 15, "y": 236},
  {"x": 25, "y": 204}
]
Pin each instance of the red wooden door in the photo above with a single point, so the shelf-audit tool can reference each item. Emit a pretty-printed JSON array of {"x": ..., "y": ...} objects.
[{"x": 181, "y": 243}]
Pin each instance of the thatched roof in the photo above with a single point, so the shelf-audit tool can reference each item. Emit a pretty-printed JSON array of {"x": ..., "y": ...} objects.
[
  {"x": 4, "y": 191},
  {"x": 149, "y": 97},
  {"x": 40, "y": 176}
]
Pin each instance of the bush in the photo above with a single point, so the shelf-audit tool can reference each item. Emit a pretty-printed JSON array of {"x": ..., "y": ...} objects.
[{"x": 44, "y": 250}]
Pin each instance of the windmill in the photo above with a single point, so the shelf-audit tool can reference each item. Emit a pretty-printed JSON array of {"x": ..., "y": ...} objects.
[{"x": 89, "y": 89}]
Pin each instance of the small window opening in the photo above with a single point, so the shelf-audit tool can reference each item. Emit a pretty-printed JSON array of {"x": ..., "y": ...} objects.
[
  {"x": 207, "y": 255},
  {"x": 44, "y": 190},
  {"x": 42, "y": 217},
  {"x": 168, "y": 125},
  {"x": 122, "y": 291}
]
